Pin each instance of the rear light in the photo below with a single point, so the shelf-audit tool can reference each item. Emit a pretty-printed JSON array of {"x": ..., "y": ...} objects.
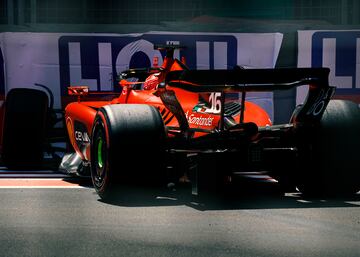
[{"x": 183, "y": 60}]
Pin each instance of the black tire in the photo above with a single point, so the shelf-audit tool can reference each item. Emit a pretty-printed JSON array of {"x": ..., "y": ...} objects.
[
  {"x": 332, "y": 165},
  {"x": 25, "y": 127},
  {"x": 127, "y": 146}
]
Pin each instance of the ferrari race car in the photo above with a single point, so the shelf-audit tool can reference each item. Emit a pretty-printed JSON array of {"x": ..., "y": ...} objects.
[{"x": 170, "y": 123}]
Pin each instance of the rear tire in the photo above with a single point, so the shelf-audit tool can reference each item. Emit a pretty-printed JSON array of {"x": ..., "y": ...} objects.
[
  {"x": 25, "y": 127},
  {"x": 127, "y": 146},
  {"x": 332, "y": 166}
]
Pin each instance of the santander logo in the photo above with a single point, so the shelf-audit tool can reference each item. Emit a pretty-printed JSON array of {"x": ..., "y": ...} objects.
[{"x": 199, "y": 120}]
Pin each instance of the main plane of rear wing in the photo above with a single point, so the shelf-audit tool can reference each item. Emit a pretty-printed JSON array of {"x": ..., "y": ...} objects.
[{"x": 254, "y": 80}]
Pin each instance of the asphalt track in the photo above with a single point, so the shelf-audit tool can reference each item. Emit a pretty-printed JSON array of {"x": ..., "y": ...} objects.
[{"x": 47, "y": 214}]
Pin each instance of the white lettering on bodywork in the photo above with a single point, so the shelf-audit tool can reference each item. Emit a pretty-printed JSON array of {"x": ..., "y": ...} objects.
[{"x": 199, "y": 120}]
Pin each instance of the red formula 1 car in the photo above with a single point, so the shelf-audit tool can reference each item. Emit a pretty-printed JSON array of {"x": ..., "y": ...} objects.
[{"x": 168, "y": 118}]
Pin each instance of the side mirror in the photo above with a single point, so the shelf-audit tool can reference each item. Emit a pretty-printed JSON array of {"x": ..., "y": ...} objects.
[
  {"x": 129, "y": 84},
  {"x": 78, "y": 90},
  {"x": 123, "y": 83}
]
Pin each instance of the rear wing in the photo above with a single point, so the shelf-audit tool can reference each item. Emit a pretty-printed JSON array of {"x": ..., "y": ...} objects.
[
  {"x": 260, "y": 80},
  {"x": 239, "y": 80}
]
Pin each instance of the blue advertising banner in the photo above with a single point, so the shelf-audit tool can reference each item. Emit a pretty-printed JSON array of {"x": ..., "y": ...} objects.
[
  {"x": 101, "y": 58},
  {"x": 337, "y": 50},
  {"x": 59, "y": 60}
]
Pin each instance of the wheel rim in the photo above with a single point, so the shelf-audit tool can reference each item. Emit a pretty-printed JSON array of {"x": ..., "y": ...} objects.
[
  {"x": 99, "y": 171},
  {"x": 100, "y": 154}
]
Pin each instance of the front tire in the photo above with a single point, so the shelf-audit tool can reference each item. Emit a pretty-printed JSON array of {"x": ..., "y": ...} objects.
[{"x": 126, "y": 147}]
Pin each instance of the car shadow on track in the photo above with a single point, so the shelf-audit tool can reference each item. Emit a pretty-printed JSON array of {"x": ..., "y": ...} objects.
[
  {"x": 80, "y": 181},
  {"x": 243, "y": 197}
]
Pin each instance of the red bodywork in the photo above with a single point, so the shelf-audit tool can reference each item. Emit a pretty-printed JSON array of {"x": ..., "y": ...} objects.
[{"x": 203, "y": 115}]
